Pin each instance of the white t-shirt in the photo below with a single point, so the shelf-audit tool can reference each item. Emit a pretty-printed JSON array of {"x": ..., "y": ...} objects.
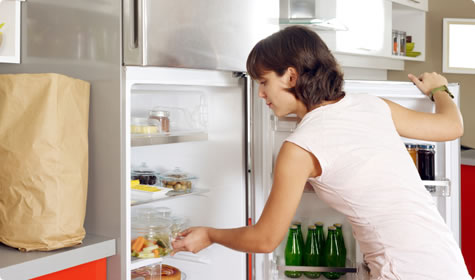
[{"x": 368, "y": 175}]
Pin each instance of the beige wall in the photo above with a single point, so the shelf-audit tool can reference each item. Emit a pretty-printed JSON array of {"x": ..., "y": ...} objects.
[{"x": 439, "y": 9}]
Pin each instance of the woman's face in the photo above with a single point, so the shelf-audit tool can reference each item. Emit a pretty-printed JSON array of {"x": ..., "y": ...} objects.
[{"x": 272, "y": 89}]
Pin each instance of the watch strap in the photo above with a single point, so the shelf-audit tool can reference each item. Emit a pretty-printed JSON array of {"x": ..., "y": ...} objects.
[{"x": 441, "y": 88}]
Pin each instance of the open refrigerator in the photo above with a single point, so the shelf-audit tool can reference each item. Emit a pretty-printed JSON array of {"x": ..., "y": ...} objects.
[
  {"x": 228, "y": 139},
  {"x": 190, "y": 61}
]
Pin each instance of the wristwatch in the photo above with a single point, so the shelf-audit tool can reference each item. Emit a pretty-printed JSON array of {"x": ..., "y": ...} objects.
[{"x": 441, "y": 88}]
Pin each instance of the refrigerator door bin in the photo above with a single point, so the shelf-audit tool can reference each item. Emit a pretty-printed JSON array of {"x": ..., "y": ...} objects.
[
  {"x": 140, "y": 198},
  {"x": 438, "y": 188}
]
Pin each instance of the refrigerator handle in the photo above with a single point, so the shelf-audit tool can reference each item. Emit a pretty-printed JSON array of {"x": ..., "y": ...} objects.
[
  {"x": 133, "y": 32},
  {"x": 249, "y": 167}
]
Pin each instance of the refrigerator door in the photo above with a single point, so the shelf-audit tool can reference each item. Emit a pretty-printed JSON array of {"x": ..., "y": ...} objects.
[
  {"x": 214, "y": 152},
  {"x": 205, "y": 34},
  {"x": 445, "y": 189}
]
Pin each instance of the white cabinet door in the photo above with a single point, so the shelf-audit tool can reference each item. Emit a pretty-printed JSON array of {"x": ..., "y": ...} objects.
[
  {"x": 10, "y": 31},
  {"x": 368, "y": 27},
  {"x": 368, "y": 24},
  {"x": 416, "y": 4}
]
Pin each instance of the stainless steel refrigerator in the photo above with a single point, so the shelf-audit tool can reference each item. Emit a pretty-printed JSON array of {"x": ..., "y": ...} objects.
[{"x": 139, "y": 54}]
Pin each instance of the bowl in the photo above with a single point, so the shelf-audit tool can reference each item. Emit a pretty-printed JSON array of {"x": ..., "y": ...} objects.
[{"x": 409, "y": 47}]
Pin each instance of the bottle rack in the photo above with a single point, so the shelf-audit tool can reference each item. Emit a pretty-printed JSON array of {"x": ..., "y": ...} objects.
[
  {"x": 317, "y": 269},
  {"x": 438, "y": 187}
]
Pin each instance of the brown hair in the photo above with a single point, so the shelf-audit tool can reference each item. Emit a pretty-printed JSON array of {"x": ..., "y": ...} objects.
[{"x": 319, "y": 76}]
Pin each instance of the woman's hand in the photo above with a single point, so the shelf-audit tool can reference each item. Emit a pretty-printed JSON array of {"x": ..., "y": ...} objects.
[
  {"x": 428, "y": 81},
  {"x": 192, "y": 240}
]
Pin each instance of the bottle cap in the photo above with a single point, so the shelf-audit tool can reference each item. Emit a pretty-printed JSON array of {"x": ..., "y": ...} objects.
[
  {"x": 293, "y": 227},
  {"x": 337, "y": 225},
  {"x": 331, "y": 228},
  {"x": 312, "y": 227},
  {"x": 319, "y": 224},
  {"x": 410, "y": 145},
  {"x": 426, "y": 146}
]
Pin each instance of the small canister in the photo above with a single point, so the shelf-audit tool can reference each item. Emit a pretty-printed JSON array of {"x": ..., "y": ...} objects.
[
  {"x": 402, "y": 43},
  {"x": 395, "y": 42},
  {"x": 412, "y": 149},
  {"x": 426, "y": 161},
  {"x": 163, "y": 116}
]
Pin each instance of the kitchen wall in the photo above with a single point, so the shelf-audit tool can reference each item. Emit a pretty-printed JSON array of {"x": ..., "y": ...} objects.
[{"x": 439, "y": 9}]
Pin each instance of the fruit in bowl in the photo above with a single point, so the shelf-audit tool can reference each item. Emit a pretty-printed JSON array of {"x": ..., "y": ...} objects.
[
  {"x": 1, "y": 33},
  {"x": 409, "y": 47}
]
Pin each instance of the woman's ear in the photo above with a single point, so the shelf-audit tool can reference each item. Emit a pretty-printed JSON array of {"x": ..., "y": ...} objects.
[{"x": 292, "y": 76}]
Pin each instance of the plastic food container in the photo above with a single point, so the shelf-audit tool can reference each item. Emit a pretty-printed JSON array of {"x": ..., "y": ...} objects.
[
  {"x": 162, "y": 116},
  {"x": 144, "y": 174},
  {"x": 157, "y": 272},
  {"x": 145, "y": 126},
  {"x": 178, "y": 180},
  {"x": 150, "y": 234}
]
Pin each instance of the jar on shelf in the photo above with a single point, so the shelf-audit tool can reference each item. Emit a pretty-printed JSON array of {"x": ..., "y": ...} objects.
[
  {"x": 426, "y": 161},
  {"x": 144, "y": 174},
  {"x": 402, "y": 43},
  {"x": 412, "y": 149},
  {"x": 178, "y": 180},
  {"x": 145, "y": 126},
  {"x": 163, "y": 116},
  {"x": 151, "y": 234},
  {"x": 395, "y": 41}
]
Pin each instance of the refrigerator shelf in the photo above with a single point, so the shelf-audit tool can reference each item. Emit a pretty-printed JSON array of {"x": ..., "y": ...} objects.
[
  {"x": 317, "y": 269},
  {"x": 315, "y": 23},
  {"x": 137, "y": 263},
  {"x": 438, "y": 187},
  {"x": 143, "y": 199},
  {"x": 159, "y": 139}
]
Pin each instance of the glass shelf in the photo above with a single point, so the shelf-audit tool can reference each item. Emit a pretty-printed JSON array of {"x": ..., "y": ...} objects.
[
  {"x": 438, "y": 187},
  {"x": 137, "y": 263},
  {"x": 315, "y": 23},
  {"x": 139, "y": 199},
  {"x": 317, "y": 269},
  {"x": 159, "y": 139}
]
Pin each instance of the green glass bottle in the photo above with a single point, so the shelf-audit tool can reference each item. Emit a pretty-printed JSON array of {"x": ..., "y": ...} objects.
[
  {"x": 332, "y": 253},
  {"x": 312, "y": 254},
  {"x": 299, "y": 230},
  {"x": 293, "y": 252},
  {"x": 320, "y": 236},
  {"x": 341, "y": 241}
]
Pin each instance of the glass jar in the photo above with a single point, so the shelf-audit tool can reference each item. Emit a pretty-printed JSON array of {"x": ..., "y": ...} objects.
[
  {"x": 151, "y": 234},
  {"x": 177, "y": 180},
  {"x": 426, "y": 161},
  {"x": 162, "y": 116},
  {"x": 144, "y": 126},
  {"x": 402, "y": 43},
  {"x": 395, "y": 42},
  {"x": 145, "y": 175},
  {"x": 412, "y": 149}
]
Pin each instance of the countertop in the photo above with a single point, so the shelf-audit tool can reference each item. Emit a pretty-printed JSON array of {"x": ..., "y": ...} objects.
[{"x": 16, "y": 265}]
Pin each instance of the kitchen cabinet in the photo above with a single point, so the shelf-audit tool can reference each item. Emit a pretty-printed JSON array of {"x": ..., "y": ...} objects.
[
  {"x": 360, "y": 32},
  {"x": 10, "y": 18}
]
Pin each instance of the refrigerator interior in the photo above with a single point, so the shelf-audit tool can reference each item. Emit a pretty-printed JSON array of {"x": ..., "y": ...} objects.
[
  {"x": 311, "y": 209},
  {"x": 216, "y": 156}
]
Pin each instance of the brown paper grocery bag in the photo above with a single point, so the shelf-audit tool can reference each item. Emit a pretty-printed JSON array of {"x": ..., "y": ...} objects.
[{"x": 43, "y": 160}]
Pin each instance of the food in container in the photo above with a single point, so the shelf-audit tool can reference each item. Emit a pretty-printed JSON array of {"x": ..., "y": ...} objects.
[
  {"x": 145, "y": 126},
  {"x": 144, "y": 174},
  {"x": 150, "y": 234},
  {"x": 156, "y": 272},
  {"x": 426, "y": 161},
  {"x": 162, "y": 116},
  {"x": 177, "y": 180}
]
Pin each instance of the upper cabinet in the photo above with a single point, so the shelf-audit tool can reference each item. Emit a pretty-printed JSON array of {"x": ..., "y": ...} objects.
[
  {"x": 378, "y": 34},
  {"x": 10, "y": 31}
]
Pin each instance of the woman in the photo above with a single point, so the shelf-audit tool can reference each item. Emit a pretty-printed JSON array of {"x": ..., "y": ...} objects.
[{"x": 349, "y": 148}]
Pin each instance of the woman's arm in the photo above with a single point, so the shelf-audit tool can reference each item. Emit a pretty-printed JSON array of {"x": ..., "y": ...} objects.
[
  {"x": 293, "y": 167},
  {"x": 443, "y": 125}
]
